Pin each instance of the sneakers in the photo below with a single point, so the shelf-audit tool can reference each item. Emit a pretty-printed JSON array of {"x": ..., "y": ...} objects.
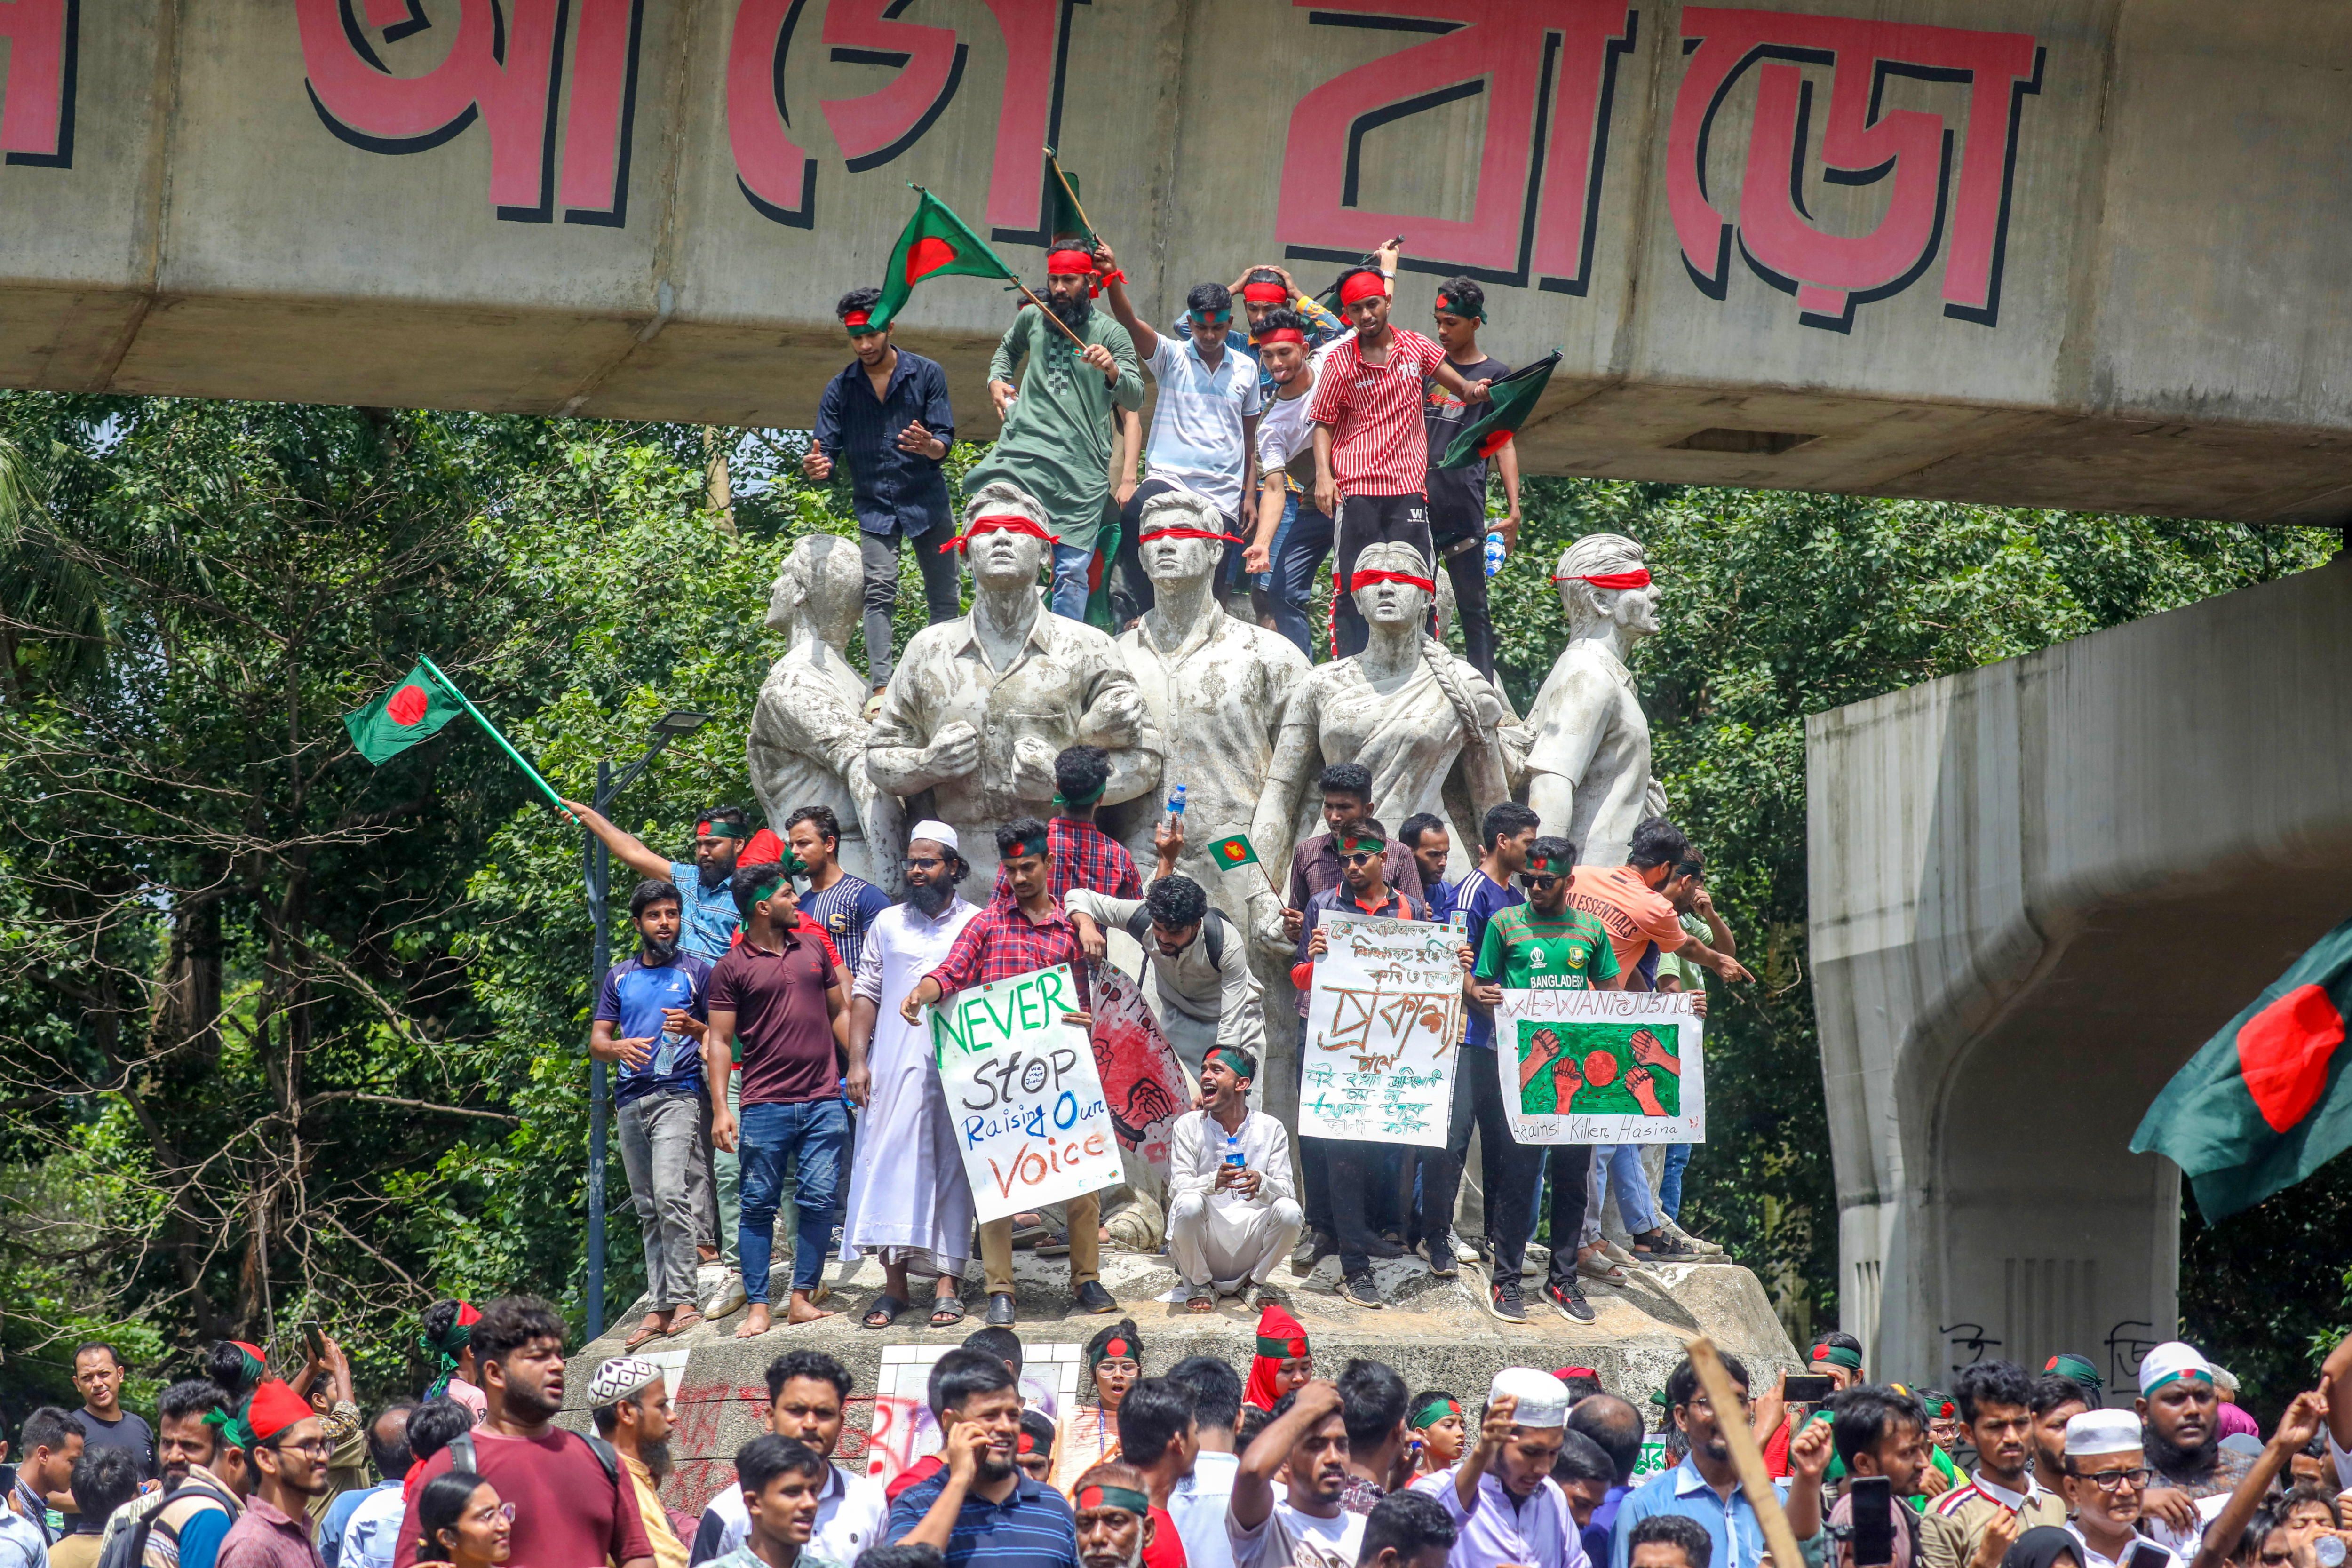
[
  {"x": 1442, "y": 1259},
  {"x": 725, "y": 1297},
  {"x": 1313, "y": 1248},
  {"x": 1570, "y": 1303},
  {"x": 1358, "y": 1291},
  {"x": 1503, "y": 1300}
]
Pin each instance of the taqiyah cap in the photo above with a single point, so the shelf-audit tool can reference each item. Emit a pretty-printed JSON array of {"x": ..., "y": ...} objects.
[
  {"x": 1543, "y": 1398},
  {"x": 621, "y": 1377},
  {"x": 2170, "y": 1361},
  {"x": 2096, "y": 1432},
  {"x": 938, "y": 832}
]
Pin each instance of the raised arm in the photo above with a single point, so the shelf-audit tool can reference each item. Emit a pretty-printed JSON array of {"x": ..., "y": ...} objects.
[
  {"x": 625, "y": 846},
  {"x": 1106, "y": 265},
  {"x": 1253, "y": 1497}
]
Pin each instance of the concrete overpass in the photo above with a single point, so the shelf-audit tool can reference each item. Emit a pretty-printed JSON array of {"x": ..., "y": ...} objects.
[
  {"x": 2078, "y": 253},
  {"x": 2036, "y": 889}
]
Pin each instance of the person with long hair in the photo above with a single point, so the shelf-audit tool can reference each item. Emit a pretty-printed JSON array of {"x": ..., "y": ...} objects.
[
  {"x": 462, "y": 1522},
  {"x": 1090, "y": 1437}
]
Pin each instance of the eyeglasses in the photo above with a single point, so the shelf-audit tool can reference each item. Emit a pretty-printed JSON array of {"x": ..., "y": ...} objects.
[
  {"x": 2114, "y": 1480},
  {"x": 317, "y": 1447},
  {"x": 922, "y": 862},
  {"x": 504, "y": 1513}
]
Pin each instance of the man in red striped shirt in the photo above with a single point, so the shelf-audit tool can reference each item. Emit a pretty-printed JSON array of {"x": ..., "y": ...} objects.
[{"x": 1372, "y": 447}]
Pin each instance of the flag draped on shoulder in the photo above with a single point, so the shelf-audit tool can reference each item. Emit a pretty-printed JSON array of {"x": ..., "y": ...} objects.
[
  {"x": 934, "y": 244},
  {"x": 2264, "y": 1103},
  {"x": 411, "y": 711},
  {"x": 1511, "y": 398}
]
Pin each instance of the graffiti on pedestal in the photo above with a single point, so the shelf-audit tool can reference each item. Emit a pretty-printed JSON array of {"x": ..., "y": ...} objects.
[
  {"x": 1932, "y": 205},
  {"x": 37, "y": 94}
]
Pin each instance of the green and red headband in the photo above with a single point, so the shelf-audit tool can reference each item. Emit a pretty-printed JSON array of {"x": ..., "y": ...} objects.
[
  {"x": 1547, "y": 866},
  {"x": 1276, "y": 1349},
  {"x": 1435, "y": 1411},
  {"x": 1093, "y": 1497},
  {"x": 1362, "y": 844},
  {"x": 1021, "y": 847},
  {"x": 1119, "y": 1347},
  {"x": 858, "y": 321},
  {"x": 1230, "y": 1059},
  {"x": 1836, "y": 1356},
  {"x": 1447, "y": 305},
  {"x": 722, "y": 829}
]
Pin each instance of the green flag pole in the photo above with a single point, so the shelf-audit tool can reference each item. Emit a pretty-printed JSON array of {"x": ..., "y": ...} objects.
[{"x": 492, "y": 730}]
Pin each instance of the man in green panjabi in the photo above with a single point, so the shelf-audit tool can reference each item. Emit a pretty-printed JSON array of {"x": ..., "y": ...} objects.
[{"x": 1056, "y": 441}]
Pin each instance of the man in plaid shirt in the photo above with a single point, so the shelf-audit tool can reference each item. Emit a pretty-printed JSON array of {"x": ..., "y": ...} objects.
[
  {"x": 1079, "y": 853},
  {"x": 1022, "y": 931}
]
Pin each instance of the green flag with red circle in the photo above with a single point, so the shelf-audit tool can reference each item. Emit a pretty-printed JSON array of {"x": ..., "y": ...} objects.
[
  {"x": 409, "y": 712},
  {"x": 934, "y": 244},
  {"x": 1509, "y": 400},
  {"x": 2264, "y": 1103}
]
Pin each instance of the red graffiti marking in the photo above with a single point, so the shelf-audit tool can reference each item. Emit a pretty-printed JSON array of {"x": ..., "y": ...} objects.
[
  {"x": 875, "y": 128},
  {"x": 1547, "y": 71},
  {"x": 36, "y": 95},
  {"x": 504, "y": 66},
  {"x": 1859, "y": 144},
  {"x": 706, "y": 1461},
  {"x": 777, "y": 177}
]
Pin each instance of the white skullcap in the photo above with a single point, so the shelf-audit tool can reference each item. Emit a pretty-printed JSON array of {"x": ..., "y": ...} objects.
[
  {"x": 2170, "y": 1361},
  {"x": 621, "y": 1377},
  {"x": 938, "y": 832},
  {"x": 2225, "y": 1380},
  {"x": 1543, "y": 1398},
  {"x": 2096, "y": 1432}
]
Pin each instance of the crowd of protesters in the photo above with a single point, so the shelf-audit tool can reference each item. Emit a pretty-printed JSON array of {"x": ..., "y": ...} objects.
[{"x": 1202, "y": 1465}]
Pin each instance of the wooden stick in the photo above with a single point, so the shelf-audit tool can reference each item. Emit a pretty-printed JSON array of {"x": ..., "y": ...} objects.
[
  {"x": 1083, "y": 344},
  {"x": 1731, "y": 1420},
  {"x": 1069, "y": 190}
]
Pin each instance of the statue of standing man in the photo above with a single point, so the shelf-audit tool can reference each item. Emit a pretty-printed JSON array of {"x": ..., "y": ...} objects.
[
  {"x": 1588, "y": 766},
  {"x": 979, "y": 706}
]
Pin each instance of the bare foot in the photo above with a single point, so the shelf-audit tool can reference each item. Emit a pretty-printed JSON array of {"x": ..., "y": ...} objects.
[
  {"x": 802, "y": 1310},
  {"x": 755, "y": 1321}
]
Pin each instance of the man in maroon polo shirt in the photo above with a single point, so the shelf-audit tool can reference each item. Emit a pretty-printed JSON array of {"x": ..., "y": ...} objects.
[{"x": 780, "y": 993}]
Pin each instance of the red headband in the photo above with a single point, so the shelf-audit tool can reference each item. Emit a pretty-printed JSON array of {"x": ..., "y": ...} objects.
[
  {"x": 1363, "y": 286},
  {"x": 996, "y": 522},
  {"x": 1639, "y": 577},
  {"x": 1152, "y": 534},
  {"x": 1265, "y": 293},
  {"x": 1065, "y": 261},
  {"x": 1366, "y": 579},
  {"x": 856, "y": 318},
  {"x": 1283, "y": 335}
]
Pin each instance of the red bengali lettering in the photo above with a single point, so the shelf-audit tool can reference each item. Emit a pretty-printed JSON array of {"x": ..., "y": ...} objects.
[
  {"x": 36, "y": 92},
  {"x": 776, "y": 176},
  {"x": 876, "y": 127}
]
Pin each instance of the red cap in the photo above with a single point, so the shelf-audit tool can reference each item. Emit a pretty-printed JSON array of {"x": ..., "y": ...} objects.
[{"x": 274, "y": 1408}]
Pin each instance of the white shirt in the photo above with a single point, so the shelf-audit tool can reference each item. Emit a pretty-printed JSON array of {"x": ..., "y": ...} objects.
[
  {"x": 1196, "y": 1147},
  {"x": 849, "y": 1519},
  {"x": 1286, "y": 1536},
  {"x": 2093, "y": 1558},
  {"x": 1198, "y": 1504},
  {"x": 372, "y": 1534},
  {"x": 1197, "y": 438}
]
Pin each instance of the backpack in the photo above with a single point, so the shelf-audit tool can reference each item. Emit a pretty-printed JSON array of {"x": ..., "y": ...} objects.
[
  {"x": 463, "y": 1457},
  {"x": 1212, "y": 932},
  {"x": 129, "y": 1547}
]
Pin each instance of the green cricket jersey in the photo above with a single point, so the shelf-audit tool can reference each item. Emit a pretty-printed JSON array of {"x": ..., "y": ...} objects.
[{"x": 1528, "y": 952}]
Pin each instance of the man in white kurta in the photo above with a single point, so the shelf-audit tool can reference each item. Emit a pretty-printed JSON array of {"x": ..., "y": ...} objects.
[
  {"x": 909, "y": 1197},
  {"x": 1228, "y": 1226}
]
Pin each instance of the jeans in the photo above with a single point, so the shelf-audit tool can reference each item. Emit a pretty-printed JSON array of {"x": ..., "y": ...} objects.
[
  {"x": 1299, "y": 550},
  {"x": 810, "y": 1134},
  {"x": 1554, "y": 1169},
  {"x": 1670, "y": 1181},
  {"x": 1071, "y": 563},
  {"x": 943, "y": 594},
  {"x": 1465, "y": 562},
  {"x": 1620, "y": 1165},
  {"x": 661, "y": 1148}
]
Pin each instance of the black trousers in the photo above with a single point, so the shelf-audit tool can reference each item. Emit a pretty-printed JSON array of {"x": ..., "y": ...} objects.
[
  {"x": 1366, "y": 520},
  {"x": 1464, "y": 556},
  {"x": 1510, "y": 1170},
  {"x": 1132, "y": 592}
]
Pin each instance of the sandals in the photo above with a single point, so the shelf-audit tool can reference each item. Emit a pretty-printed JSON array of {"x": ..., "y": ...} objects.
[
  {"x": 1201, "y": 1299},
  {"x": 644, "y": 1334},
  {"x": 947, "y": 1311},
  {"x": 884, "y": 1311},
  {"x": 687, "y": 1316}
]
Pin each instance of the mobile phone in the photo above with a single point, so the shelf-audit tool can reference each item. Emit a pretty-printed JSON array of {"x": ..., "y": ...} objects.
[
  {"x": 1874, "y": 1522},
  {"x": 1805, "y": 1389},
  {"x": 2148, "y": 1554},
  {"x": 315, "y": 1338}
]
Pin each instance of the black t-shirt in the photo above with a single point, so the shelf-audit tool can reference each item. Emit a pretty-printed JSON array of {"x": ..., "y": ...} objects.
[
  {"x": 129, "y": 1433},
  {"x": 1457, "y": 496}
]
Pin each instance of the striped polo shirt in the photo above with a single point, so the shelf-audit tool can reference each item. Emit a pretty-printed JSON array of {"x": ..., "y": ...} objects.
[
  {"x": 1032, "y": 1527},
  {"x": 1380, "y": 444},
  {"x": 1197, "y": 440}
]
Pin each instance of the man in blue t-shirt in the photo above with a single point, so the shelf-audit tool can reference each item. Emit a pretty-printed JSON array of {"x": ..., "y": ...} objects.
[
  {"x": 651, "y": 1016},
  {"x": 706, "y": 900},
  {"x": 1503, "y": 839}
]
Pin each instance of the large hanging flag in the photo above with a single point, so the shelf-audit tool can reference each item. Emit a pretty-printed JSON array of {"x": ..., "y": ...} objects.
[
  {"x": 409, "y": 712},
  {"x": 1511, "y": 398},
  {"x": 934, "y": 244},
  {"x": 2264, "y": 1104}
]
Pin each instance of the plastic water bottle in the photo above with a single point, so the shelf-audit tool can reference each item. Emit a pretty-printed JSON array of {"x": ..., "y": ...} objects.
[
  {"x": 1176, "y": 805},
  {"x": 1494, "y": 553},
  {"x": 1233, "y": 1161}
]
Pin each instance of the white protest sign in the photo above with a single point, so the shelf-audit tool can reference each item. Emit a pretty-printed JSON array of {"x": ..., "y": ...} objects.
[
  {"x": 1601, "y": 1066},
  {"x": 1382, "y": 1023},
  {"x": 1023, "y": 1093}
]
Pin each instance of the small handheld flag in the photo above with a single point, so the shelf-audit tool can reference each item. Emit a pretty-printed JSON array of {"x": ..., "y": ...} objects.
[
  {"x": 1510, "y": 399},
  {"x": 1233, "y": 852},
  {"x": 2264, "y": 1103},
  {"x": 934, "y": 244},
  {"x": 413, "y": 711}
]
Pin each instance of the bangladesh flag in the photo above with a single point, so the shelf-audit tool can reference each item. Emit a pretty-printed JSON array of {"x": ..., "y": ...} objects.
[
  {"x": 934, "y": 244},
  {"x": 2262, "y": 1104},
  {"x": 408, "y": 713},
  {"x": 1511, "y": 399},
  {"x": 1233, "y": 851},
  {"x": 1069, "y": 220}
]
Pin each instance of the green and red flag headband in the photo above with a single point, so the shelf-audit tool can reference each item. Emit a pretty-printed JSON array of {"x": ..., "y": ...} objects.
[
  {"x": 1232, "y": 1059},
  {"x": 1447, "y": 306},
  {"x": 1119, "y": 1347},
  {"x": 1546, "y": 866},
  {"x": 1639, "y": 577},
  {"x": 1282, "y": 1349},
  {"x": 2068, "y": 1365},
  {"x": 1362, "y": 844},
  {"x": 997, "y": 522},
  {"x": 708, "y": 829},
  {"x": 1836, "y": 1356},
  {"x": 1435, "y": 1411},
  {"x": 859, "y": 321},
  {"x": 1021, "y": 847},
  {"x": 1096, "y": 1496}
]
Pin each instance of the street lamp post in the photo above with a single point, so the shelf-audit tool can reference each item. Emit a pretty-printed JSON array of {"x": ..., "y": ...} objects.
[{"x": 597, "y": 863}]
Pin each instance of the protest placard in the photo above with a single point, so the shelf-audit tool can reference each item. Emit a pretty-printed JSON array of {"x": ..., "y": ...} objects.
[
  {"x": 1601, "y": 1066},
  {"x": 1143, "y": 1081},
  {"x": 1024, "y": 1094},
  {"x": 1382, "y": 1023}
]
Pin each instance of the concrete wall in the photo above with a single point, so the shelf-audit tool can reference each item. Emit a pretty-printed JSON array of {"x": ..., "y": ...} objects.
[
  {"x": 2035, "y": 889},
  {"x": 2063, "y": 252}
]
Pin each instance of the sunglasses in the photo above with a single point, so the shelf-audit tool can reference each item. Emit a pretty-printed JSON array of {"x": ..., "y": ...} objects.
[
  {"x": 1359, "y": 857},
  {"x": 1539, "y": 879}
]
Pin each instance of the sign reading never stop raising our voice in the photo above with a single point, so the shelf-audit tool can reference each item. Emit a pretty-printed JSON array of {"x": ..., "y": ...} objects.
[
  {"x": 1382, "y": 1021},
  {"x": 1024, "y": 1093},
  {"x": 1601, "y": 1066}
]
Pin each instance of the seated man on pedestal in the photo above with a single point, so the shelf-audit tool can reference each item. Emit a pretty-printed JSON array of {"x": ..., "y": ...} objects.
[{"x": 1228, "y": 1224}]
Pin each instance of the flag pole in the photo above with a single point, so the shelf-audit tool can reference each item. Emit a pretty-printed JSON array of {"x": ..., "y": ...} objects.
[
  {"x": 483, "y": 719},
  {"x": 1068, "y": 190},
  {"x": 1081, "y": 342}
]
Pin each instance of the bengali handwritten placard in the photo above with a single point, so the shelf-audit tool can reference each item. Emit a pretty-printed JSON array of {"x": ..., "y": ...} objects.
[
  {"x": 1382, "y": 1023},
  {"x": 1601, "y": 1066},
  {"x": 1022, "y": 1090}
]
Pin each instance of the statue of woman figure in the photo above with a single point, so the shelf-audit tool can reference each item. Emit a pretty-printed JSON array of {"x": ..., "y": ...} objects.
[
  {"x": 1405, "y": 708},
  {"x": 1588, "y": 765}
]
